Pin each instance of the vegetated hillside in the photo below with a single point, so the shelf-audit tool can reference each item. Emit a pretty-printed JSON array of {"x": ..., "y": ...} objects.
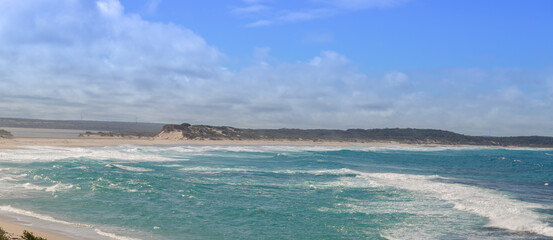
[
  {"x": 401, "y": 135},
  {"x": 5, "y": 134},
  {"x": 116, "y": 127}
]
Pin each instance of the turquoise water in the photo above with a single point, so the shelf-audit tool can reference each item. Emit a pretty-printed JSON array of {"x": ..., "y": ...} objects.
[{"x": 278, "y": 192}]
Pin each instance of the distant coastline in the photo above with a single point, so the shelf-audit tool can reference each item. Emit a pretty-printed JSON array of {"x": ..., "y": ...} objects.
[
  {"x": 97, "y": 133},
  {"x": 15, "y": 143},
  {"x": 408, "y": 136}
]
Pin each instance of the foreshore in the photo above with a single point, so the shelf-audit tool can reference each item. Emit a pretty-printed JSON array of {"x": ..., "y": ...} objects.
[
  {"x": 15, "y": 230},
  {"x": 14, "y": 143}
]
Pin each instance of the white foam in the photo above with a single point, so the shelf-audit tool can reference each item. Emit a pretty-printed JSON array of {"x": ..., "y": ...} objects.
[
  {"x": 133, "y": 169},
  {"x": 53, "y": 188},
  {"x": 172, "y": 166},
  {"x": 502, "y": 211},
  {"x": 215, "y": 170},
  {"x": 47, "y": 154},
  {"x": 83, "y": 227},
  {"x": 11, "y": 209},
  {"x": 7, "y": 179},
  {"x": 341, "y": 171},
  {"x": 113, "y": 236}
]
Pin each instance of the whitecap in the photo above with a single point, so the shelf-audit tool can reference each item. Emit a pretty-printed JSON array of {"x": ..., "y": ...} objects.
[
  {"x": 11, "y": 209},
  {"x": 502, "y": 211},
  {"x": 47, "y": 154},
  {"x": 113, "y": 236},
  {"x": 53, "y": 188},
  {"x": 133, "y": 169}
]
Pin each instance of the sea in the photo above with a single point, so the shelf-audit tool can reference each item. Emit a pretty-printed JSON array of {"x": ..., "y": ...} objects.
[{"x": 279, "y": 192}]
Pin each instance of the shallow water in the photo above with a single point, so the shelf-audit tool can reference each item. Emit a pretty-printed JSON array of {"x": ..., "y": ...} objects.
[{"x": 278, "y": 192}]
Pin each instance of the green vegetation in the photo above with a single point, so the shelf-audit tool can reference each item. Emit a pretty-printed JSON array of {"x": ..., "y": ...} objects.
[
  {"x": 26, "y": 235},
  {"x": 400, "y": 135},
  {"x": 29, "y": 236},
  {"x": 3, "y": 235}
]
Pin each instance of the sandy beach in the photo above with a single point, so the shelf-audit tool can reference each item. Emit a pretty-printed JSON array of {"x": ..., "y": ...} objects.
[
  {"x": 13, "y": 143},
  {"x": 15, "y": 230}
]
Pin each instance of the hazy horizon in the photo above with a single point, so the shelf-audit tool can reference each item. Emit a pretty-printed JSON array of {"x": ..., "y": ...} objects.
[{"x": 471, "y": 67}]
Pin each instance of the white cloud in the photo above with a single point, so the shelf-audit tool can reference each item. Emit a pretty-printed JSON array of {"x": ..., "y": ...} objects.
[
  {"x": 259, "y": 23},
  {"x": 79, "y": 60},
  {"x": 250, "y": 9},
  {"x": 395, "y": 79},
  {"x": 112, "y": 8},
  {"x": 152, "y": 5},
  {"x": 72, "y": 59},
  {"x": 362, "y": 4},
  {"x": 510, "y": 94},
  {"x": 317, "y": 9}
]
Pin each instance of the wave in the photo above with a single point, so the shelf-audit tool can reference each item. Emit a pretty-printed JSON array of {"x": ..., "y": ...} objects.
[
  {"x": 342, "y": 171},
  {"x": 502, "y": 211},
  {"x": 48, "y": 154},
  {"x": 53, "y": 188},
  {"x": 132, "y": 169},
  {"x": 7, "y": 179},
  {"x": 216, "y": 170},
  {"x": 10, "y": 209},
  {"x": 113, "y": 236},
  {"x": 295, "y": 148},
  {"x": 277, "y": 149},
  {"x": 163, "y": 154},
  {"x": 171, "y": 166},
  {"x": 202, "y": 150}
]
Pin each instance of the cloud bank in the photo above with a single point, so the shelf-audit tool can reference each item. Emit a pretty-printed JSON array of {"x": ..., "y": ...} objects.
[{"x": 61, "y": 59}]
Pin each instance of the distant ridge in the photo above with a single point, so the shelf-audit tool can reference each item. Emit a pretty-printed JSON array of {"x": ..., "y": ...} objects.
[
  {"x": 117, "y": 127},
  {"x": 400, "y": 135}
]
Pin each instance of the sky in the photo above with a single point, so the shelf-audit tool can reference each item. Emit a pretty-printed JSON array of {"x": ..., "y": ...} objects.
[{"x": 474, "y": 67}]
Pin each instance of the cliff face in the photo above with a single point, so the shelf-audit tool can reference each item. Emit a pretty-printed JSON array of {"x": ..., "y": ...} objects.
[{"x": 401, "y": 135}]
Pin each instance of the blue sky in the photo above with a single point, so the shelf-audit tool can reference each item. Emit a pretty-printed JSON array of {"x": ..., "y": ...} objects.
[{"x": 474, "y": 67}]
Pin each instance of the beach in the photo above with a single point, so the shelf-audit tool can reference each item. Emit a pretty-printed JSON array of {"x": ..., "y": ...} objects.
[
  {"x": 15, "y": 230},
  {"x": 11, "y": 143}
]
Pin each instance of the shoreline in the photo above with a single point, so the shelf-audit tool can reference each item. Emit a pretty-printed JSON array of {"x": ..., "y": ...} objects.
[
  {"x": 14, "y": 229},
  {"x": 21, "y": 142}
]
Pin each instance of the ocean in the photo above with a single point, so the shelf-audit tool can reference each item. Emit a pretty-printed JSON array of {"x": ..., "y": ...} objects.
[{"x": 280, "y": 192}]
